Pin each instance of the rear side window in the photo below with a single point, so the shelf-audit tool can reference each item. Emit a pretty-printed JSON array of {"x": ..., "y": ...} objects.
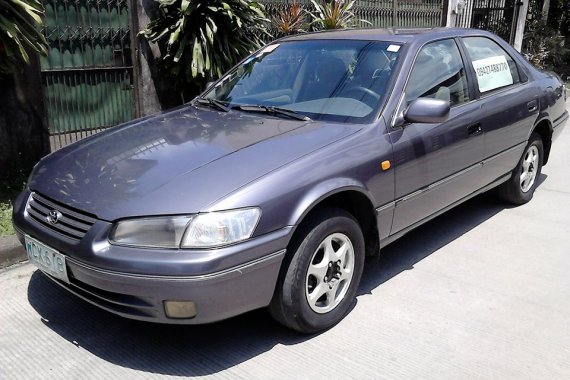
[
  {"x": 438, "y": 73},
  {"x": 493, "y": 66}
]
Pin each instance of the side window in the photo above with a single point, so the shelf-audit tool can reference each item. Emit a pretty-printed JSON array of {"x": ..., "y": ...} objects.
[
  {"x": 493, "y": 66},
  {"x": 438, "y": 73}
]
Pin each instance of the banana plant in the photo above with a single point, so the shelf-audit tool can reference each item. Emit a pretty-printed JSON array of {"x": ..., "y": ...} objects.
[
  {"x": 20, "y": 23},
  {"x": 201, "y": 39}
]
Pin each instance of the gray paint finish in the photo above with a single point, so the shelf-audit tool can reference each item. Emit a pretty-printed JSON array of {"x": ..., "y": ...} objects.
[{"x": 177, "y": 162}]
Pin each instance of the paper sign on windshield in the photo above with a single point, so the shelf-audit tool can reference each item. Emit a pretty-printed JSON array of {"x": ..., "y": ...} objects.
[
  {"x": 492, "y": 72},
  {"x": 393, "y": 48},
  {"x": 269, "y": 49}
]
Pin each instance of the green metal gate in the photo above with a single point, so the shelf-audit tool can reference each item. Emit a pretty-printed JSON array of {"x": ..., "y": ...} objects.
[{"x": 88, "y": 73}]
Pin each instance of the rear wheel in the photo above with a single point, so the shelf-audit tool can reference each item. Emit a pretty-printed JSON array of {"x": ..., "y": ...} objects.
[
  {"x": 520, "y": 188},
  {"x": 318, "y": 282}
]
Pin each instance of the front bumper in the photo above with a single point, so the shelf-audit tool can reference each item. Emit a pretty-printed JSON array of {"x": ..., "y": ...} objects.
[
  {"x": 217, "y": 296},
  {"x": 135, "y": 282}
]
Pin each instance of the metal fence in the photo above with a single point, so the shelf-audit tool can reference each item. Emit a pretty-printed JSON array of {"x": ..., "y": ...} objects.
[
  {"x": 497, "y": 16},
  {"x": 383, "y": 13},
  {"x": 88, "y": 72}
]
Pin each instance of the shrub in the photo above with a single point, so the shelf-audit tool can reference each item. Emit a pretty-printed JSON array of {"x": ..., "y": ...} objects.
[
  {"x": 544, "y": 42},
  {"x": 335, "y": 14},
  {"x": 543, "y": 46},
  {"x": 6, "y": 219},
  {"x": 291, "y": 20}
]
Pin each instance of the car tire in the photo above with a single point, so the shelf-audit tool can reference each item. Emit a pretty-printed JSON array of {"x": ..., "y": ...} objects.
[
  {"x": 321, "y": 272},
  {"x": 519, "y": 189}
]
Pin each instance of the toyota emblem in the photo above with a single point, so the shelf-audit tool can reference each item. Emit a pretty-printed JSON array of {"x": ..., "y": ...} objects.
[{"x": 53, "y": 216}]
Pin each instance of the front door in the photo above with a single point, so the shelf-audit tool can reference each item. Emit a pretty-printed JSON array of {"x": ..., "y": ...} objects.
[{"x": 436, "y": 164}]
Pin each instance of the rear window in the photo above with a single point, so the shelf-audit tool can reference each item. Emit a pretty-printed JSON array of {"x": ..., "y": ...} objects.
[{"x": 493, "y": 66}]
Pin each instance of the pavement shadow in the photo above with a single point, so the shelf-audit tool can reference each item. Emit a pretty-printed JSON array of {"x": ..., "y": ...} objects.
[
  {"x": 418, "y": 244},
  {"x": 177, "y": 350},
  {"x": 201, "y": 350}
]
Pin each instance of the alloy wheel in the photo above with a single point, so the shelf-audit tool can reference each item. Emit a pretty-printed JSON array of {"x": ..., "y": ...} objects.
[
  {"x": 330, "y": 273},
  {"x": 529, "y": 168}
]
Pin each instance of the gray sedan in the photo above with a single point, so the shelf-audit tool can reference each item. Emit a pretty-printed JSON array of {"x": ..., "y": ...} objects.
[{"x": 270, "y": 188}]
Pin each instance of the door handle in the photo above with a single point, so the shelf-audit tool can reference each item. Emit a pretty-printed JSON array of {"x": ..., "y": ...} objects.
[
  {"x": 474, "y": 129},
  {"x": 532, "y": 106}
]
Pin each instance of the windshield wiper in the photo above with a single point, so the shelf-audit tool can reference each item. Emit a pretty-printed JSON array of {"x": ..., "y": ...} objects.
[
  {"x": 213, "y": 103},
  {"x": 272, "y": 110}
]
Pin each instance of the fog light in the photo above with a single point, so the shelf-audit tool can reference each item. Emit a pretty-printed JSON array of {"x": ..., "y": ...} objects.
[{"x": 180, "y": 309}]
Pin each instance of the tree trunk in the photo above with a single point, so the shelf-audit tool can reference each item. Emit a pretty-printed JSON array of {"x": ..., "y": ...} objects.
[
  {"x": 24, "y": 138},
  {"x": 545, "y": 10}
]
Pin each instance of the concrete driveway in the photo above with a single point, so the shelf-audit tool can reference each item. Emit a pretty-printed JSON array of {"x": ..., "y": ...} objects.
[{"x": 480, "y": 292}]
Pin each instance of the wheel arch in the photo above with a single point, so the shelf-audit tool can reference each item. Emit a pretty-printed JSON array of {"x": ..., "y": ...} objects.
[
  {"x": 543, "y": 128},
  {"x": 351, "y": 197}
]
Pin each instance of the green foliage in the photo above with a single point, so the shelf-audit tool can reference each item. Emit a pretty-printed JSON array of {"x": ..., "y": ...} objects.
[
  {"x": 544, "y": 47},
  {"x": 336, "y": 14},
  {"x": 9, "y": 189},
  {"x": 20, "y": 21},
  {"x": 6, "y": 219},
  {"x": 543, "y": 42},
  {"x": 291, "y": 20},
  {"x": 559, "y": 16},
  {"x": 201, "y": 39}
]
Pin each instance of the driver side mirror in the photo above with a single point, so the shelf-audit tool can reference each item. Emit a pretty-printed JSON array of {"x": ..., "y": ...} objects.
[{"x": 427, "y": 110}]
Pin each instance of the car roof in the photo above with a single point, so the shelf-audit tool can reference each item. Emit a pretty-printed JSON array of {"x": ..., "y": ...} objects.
[{"x": 402, "y": 35}]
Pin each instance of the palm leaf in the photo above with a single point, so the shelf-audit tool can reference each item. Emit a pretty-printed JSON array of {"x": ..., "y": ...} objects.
[
  {"x": 334, "y": 15},
  {"x": 20, "y": 21},
  {"x": 201, "y": 39}
]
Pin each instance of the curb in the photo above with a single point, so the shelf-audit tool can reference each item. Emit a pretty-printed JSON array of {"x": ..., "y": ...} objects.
[{"x": 11, "y": 251}]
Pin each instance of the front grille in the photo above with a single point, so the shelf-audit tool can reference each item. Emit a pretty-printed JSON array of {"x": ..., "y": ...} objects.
[{"x": 70, "y": 223}]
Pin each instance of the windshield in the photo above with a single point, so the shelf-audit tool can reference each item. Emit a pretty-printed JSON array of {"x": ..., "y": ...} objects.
[{"x": 331, "y": 80}]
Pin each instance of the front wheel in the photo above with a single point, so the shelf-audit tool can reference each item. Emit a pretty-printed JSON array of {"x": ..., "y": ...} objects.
[
  {"x": 519, "y": 189},
  {"x": 318, "y": 282}
]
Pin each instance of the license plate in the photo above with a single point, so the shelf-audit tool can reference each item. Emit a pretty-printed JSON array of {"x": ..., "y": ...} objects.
[{"x": 46, "y": 258}]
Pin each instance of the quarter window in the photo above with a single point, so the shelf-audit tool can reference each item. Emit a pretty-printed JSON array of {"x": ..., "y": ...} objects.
[
  {"x": 438, "y": 73},
  {"x": 493, "y": 66}
]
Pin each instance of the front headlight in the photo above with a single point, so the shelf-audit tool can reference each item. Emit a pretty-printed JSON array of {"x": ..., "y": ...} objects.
[
  {"x": 220, "y": 228},
  {"x": 207, "y": 230},
  {"x": 162, "y": 232}
]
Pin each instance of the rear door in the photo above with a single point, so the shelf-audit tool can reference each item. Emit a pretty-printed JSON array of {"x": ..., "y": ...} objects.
[
  {"x": 508, "y": 101},
  {"x": 436, "y": 164}
]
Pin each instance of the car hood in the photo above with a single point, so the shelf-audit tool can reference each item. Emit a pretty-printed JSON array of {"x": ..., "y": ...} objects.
[{"x": 177, "y": 162}]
